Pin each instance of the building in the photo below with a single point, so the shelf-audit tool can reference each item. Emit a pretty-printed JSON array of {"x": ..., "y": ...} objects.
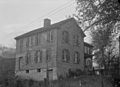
[
  {"x": 55, "y": 48},
  {"x": 88, "y": 57}
]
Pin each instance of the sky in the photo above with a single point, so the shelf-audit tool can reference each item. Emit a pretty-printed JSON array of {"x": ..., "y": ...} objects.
[{"x": 20, "y": 16}]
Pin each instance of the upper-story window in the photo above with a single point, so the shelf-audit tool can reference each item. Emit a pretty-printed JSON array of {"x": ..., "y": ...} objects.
[
  {"x": 30, "y": 41},
  {"x": 39, "y": 38},
  {"x": 65, "y": 37},
  {"x": 76, "y": 57},
  {"x": 21, "y": 45},
  {"x": 36, "y": 39},
  {"x": 87, "y": 50},
  {"x": 48, "y": 54},
  {"x": 38, "y": 56},
  {"x": 43, "y": 37},
  {"x": 65, "y": 55},
  {"x": 76, "y": 40},
  {"x": 27, "y": 42},
  {"x": 50, "y": 36}
]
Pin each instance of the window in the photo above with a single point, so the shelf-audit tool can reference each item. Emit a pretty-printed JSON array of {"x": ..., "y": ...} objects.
[
  {"x": 65, "y": 37},
  {"x": 76, "y": 57},
  {"x": 65, "y": 55},
  {"x": 28, "y": 58},
  {"x": 21, "y": 45},
  {"x": 36, "y": 39},
  {"x": 50, "y": 36},
  {"x": 38, "y": 56},
  {"x": 39, "y": 38},
  {"x": 27, "y": 71},
  {"x": 38, "y": 70},
  {"x": 27, "y": 42},
  {"x": 88, "y": 62},
  {"x": 87, "y": 50},
  {"x": 48, "y": 54},
  {"x": 20, "y": 62},
  {"x": 30, "y": 41},
  {"x": 76, "y": 40},
  {"x": 44, "y": 37}
]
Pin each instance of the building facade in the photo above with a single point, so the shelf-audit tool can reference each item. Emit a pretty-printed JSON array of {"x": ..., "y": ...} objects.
[
  {"x": 55, "y": 48},
  {"x": 88, "y": 57}
]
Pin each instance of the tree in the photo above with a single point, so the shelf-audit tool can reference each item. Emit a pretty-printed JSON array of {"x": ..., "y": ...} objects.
[
  {"x": 100, "y": 40},
  {"x": 98, "y": 12},
  {"x": 100, "y": 17}
]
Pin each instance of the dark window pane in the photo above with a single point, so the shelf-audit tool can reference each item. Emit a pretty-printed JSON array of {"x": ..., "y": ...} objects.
[{"x": 27, "y": 71}]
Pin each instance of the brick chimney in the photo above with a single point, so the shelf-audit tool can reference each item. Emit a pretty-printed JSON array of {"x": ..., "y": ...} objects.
[{"x": 47, "y": 22}]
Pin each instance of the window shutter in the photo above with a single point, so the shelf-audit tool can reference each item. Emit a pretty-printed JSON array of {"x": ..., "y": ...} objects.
[
  {"x": 41, "y": 53},
  {"x": 28, "y": 58},
  {"x": 39, "y": 56},
  {"x": 36, "y": 57}
]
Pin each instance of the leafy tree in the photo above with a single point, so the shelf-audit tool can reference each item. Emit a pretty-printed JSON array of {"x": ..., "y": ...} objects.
[
  {"x": 98, "y": 12},
  {"x": 101, "y": 39},
  {"x": 100, "y": 17}
]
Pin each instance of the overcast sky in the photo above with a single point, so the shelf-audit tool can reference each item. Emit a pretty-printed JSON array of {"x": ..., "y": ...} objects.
[{"x": 20, "y": 16}]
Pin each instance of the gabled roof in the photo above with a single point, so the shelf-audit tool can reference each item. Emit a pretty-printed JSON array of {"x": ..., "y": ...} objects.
[{"x": 52, "y": 26}]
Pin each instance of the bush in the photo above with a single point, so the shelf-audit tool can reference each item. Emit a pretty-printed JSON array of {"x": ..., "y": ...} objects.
[{"x": 75, "y": 73}]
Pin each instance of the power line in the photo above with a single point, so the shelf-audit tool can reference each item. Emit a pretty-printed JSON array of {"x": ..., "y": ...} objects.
[
  {"x": 51, "y": 12},
  {"x": 54, "y": 11},
  {"x": 61, "y": 9}
]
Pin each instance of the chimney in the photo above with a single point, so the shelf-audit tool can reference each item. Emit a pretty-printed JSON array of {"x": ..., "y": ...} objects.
[{"x": 47, "y": 22}]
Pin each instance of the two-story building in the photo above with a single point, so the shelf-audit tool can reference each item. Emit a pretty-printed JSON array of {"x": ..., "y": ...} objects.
[
  {"x": 55, "y": 48},
  {"x": 88, "y": 57}
]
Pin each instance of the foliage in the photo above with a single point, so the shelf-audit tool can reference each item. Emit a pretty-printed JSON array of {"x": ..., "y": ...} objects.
[
  {"x": 98, "y": 12},
  {"x": 7, "y": 78},
  {"x": 100, "y": 17},
  {"x": 7, "y": 52},
  {"x": 75, "y": 73}
]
